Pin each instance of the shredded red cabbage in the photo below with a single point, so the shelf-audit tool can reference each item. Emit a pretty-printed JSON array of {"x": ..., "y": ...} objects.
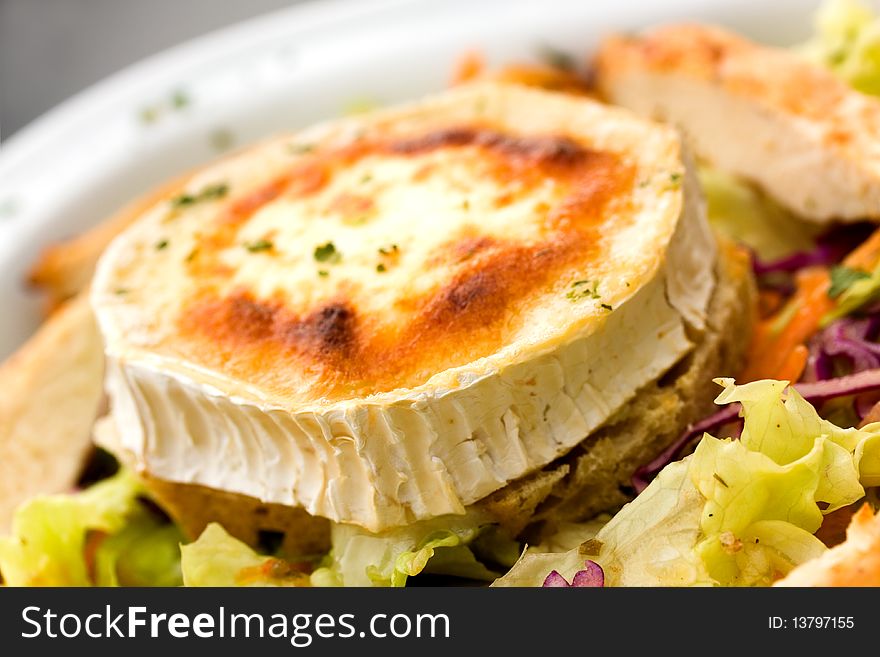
[
  {"x": 814, "y": 392},
  {"x": 555, "y": 580},
  {"x": 643, "y": 476},
  {"x": 830, "y": 249},
  {"x": 591, "y": 576},
  {"x": 847, "y": 344}
]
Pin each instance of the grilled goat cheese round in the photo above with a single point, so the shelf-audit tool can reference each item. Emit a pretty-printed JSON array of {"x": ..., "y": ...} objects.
[{"x": 389, "y": 317}]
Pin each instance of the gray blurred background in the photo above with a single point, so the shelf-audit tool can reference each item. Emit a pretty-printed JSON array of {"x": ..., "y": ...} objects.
[{"x": 50, "y": 49}]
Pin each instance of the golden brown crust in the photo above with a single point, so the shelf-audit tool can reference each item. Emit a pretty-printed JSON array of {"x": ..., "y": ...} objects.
[
  {"x": 471, "y": 67},
  {"x": 51, "y": 392},
  {"x": 541, "y": 77},
  {"x": 855, "y": 562},
  {"x": 771, "y": 75},
  {"x": 775, "y": 78},
  {"x": 490, "y": 277}
]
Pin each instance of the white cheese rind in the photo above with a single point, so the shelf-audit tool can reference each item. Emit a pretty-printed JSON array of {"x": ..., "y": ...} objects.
[
  {"x": 386, "y": 464},
  {"x": 391, "y": 458}
]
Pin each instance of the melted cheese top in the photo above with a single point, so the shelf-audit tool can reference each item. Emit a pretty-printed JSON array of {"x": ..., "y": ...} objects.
[
  {"x": 387, "y": 318},
  {"x": 375, "y": 254}
]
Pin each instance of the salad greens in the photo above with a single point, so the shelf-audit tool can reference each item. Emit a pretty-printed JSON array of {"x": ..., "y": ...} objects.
[
  {"x": 218, "y": 559},
  {"x": 862, "y": 288},
  {"x": 736, "y": 512},
  {"x": 847, "y": 41},
  {"x": 744, "y": 213},
  {"x": 105, "y": 535},
  {"x": 448, "y": 545}
]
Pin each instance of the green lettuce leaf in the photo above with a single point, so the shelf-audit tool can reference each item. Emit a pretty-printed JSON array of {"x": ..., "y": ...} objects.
[
  {"x": 100, "y": 536},
  {"x": 218, "y": 559},
  {"x": 650, "y": 542},
  {"x": 847, "y": 41},
  {"x": 443, "y": 546},
  {"x": 746, "y": 215},
  {"x": 859, "y": 293},
  {"x": 145, "y": 553},
  {"x": 736, "y": 512}
]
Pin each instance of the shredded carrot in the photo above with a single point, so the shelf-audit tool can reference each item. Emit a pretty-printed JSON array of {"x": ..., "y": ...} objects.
[
  {"x": 769, "y": 302},
  {"x": 866, "y": 255},
  {"x": 778, "y": 349},
  {"x": 794, "y": 365},
  {"x": 469, "y": 67}
]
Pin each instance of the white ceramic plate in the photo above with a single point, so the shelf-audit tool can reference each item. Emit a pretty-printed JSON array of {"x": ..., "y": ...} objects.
[{"x": 84, "y": 159}]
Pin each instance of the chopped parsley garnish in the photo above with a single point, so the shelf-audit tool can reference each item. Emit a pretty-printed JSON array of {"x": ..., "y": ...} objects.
[
  {"x": 327, "y": 253},
  {"x": 300, "y": 149},
  {"x": 323, "y": 273},
  {"x": 161, "y": 244},
  {"x": 367, "y": 177},
  {"x": 583, "y": 290},
  {"x": 360, "y": 106},
  {"x": 675, "y": 180},
  {"x": 149, "y": 115},
  {"x": 842, "y": 279},
  {"x": 555, "y": 58},
  {"x": 209, "y": 193},
  {"x": 259, "y": 245},
  {"x": 179, "y": 99},
  {"x": 221, "y": 139},
  {"x": 389, "y": 250},
  {"x": 380, "y": 268},
  {"x": 120, "y": 291}
]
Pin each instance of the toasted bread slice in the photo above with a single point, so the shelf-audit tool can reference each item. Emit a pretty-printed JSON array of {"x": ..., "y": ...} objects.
[
  {"x": 766, "y": 114},
  {"x": 52, "y": 390}
]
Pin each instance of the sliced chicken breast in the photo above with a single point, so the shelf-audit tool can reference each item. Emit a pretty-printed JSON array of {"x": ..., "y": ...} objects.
[{"x": 763, "y": 113}]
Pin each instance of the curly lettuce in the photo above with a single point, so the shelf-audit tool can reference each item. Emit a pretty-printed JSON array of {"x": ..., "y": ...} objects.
[
  {"x": 736, "y": 512},
  {"x": 458, "y": 546},
  {"x": 218, "y": 559},
  {"x": 103, "y": 536}
]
